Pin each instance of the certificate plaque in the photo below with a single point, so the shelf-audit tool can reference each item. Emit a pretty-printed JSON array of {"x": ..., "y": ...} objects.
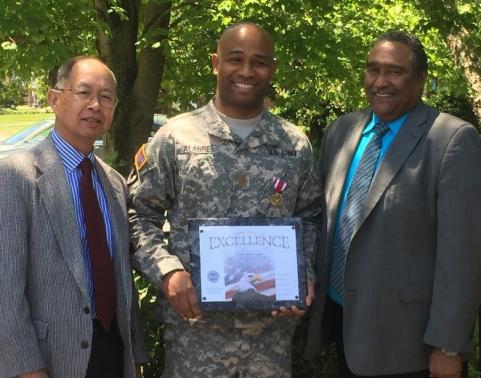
[{"x": 247, "y": 263}]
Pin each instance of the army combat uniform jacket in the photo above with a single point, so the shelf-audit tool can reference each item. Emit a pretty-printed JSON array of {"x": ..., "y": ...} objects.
[{"x": 195, "y": 167}]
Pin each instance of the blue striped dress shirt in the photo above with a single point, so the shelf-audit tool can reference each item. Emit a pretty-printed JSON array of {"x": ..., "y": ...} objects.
[
  {"x": 366, "y": 136},
  {"x": 71, "y": 159}
]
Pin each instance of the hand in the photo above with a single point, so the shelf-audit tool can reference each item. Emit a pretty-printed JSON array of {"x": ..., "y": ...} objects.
[
  {"x": 42, "y": 373},
  {"x": 138, "y": 371},
  {"x": 442, "y": 366},
  {"x": 180, "y": 292},
  {"x": 294, "y": 311}
]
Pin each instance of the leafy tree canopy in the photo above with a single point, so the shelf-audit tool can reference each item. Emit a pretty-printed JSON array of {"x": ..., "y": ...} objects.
[
  {"x": 37, "y": 35},
  {"x": 161, "y": 49}
]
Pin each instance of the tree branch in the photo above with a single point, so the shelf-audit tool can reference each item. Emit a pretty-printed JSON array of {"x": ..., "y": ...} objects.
[{"x": 155, "y": 20}]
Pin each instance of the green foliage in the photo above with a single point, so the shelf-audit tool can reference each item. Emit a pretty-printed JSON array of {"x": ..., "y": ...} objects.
[
  {"x": 153, "y": 329},
  {"x": 25, "y": 112},
  {"x": 474, "y": 361},
  {"x": 37, "y": 35},
  {"x": 11, "y": 92},
  {"x": 456, "y": 104},
  {"x": 321, "y": 48}
]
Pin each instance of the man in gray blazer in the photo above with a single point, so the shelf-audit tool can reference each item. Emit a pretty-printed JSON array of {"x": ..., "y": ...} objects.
[
  {"x": 67, "y": 304},
  {"x": 401, "y": 256}
]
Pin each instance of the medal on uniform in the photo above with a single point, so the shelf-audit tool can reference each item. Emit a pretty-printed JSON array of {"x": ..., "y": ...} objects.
[{"x": 277, "y": 199}]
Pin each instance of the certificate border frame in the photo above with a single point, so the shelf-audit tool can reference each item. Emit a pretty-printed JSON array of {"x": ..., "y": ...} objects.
[{"x": 193, "y": 231}]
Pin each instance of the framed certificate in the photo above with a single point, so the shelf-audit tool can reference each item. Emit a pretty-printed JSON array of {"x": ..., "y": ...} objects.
[{"x": 247, "y": 263}]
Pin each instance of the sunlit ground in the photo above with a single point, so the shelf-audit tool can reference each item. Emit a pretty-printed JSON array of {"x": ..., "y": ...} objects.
[{"x": 13, "y": 121}]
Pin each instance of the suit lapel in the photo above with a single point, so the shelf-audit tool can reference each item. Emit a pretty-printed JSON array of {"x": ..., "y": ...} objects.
[
  {"x": 399, "y": 151},
  {"x": 343, "y": 154},
  {"x": 114, "y": 193},
  {"x": 55, "y": 193}
]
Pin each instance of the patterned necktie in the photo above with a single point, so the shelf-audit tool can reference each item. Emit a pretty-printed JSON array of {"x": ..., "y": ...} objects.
[
  {"x": 353, "y": 206},
  {"x": 101, "y": 261}
]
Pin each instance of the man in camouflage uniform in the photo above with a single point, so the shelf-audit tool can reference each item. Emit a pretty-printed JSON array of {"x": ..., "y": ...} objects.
[{"x": 221, "y": 161}]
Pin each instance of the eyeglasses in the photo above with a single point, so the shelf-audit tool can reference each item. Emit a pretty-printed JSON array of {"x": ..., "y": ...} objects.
[{"x": 105, "y": 100}]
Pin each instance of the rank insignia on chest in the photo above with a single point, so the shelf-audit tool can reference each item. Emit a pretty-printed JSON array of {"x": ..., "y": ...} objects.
[
  {"x": 277, "y": 199},
  {"x": 140, "y": 158},
  {"x": 242, "y": 181}
]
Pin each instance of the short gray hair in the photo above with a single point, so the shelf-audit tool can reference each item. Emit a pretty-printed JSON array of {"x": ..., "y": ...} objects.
[{"x": 66, "y": 68}]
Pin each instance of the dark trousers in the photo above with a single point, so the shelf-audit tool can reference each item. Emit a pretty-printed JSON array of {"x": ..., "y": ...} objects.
[
  {"x": 107, "y": 354},
  {"x": 334, "y": 316}
]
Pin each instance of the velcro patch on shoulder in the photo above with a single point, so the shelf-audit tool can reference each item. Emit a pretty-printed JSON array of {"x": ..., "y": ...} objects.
[{"x": 140, "y": 158}]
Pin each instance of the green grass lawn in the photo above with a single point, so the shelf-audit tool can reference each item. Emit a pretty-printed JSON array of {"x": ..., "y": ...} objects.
[{"x": 13, "y": 123}]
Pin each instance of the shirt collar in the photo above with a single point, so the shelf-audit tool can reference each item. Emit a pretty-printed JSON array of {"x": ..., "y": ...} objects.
[
  {"x": 394, "y": 126},
  {"x": 69, "y": 155},
  {"x": 265, "y": 132}
]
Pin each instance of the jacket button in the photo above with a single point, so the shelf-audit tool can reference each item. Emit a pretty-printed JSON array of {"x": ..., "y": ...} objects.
[
  {"x": 87, "y": 309},
  {"x": 84, "y": 344}
]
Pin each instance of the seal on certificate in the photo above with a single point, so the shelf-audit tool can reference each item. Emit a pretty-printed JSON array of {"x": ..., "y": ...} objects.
[{"x": 213, "y": 276}]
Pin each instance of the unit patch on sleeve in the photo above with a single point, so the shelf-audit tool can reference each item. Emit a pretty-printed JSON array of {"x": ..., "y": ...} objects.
[{"x": 140, "y": 158}]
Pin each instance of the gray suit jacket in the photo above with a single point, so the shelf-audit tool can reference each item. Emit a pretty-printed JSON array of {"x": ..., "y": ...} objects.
[
  {"x": 413, "y": 269},
  {"x": 45, "y": 321}
]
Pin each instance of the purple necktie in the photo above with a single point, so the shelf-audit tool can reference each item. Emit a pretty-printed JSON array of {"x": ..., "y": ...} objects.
[{"x": 101, "y": 261}]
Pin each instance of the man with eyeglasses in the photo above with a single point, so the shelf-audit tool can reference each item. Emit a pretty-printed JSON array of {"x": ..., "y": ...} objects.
[{"x": 68, "y": 307}]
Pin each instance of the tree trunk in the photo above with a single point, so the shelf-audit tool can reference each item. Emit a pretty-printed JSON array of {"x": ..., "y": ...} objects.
[
  {"x": 468, "y": 59},
  {"x": 140, "y": 73}
]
